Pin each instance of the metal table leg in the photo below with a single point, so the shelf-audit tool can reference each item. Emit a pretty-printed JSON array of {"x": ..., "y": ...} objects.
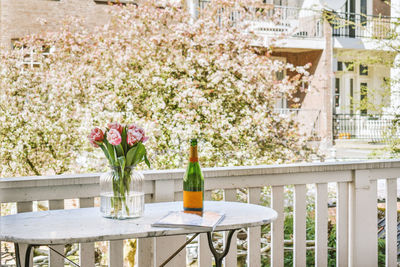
[
  {"x": 220, "y": 256},
  {"x": 27, "y": 255}
]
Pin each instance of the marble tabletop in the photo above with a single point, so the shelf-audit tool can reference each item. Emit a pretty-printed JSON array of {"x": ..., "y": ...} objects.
[{"x": 88, "y": 225}]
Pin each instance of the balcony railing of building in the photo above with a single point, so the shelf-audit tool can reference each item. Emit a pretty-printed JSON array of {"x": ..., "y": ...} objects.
[
  {"x": 369, "y": 127},
  {"x": 362, "y": 26},
  {"x": 282, "y": 21},
  {"x": 356, "y": 190}
]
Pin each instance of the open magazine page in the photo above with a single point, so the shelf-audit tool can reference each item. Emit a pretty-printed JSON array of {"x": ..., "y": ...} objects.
[{"x": 180, "y": 219}]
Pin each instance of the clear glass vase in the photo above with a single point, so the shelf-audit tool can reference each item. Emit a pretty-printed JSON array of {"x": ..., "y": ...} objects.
[{"x": 121, "y": 193}]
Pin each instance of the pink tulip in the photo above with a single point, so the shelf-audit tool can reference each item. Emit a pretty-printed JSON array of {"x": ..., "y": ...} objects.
[
  {"x": 114, "y": 137},
  {"x": 133, "y": 126},
  {"x": 144, "y": 137},
  {"x": 96, "y": 135},
  {"x": 116, "y": 126},
  {"x": 133, "y": 136}
]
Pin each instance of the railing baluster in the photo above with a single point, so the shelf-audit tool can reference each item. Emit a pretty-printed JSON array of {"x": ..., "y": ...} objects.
[
  {"x": 55, "y": 259},
  {"x": 24, "y": 206},
  {"x": 86, "y": 250},
  {"x": 166, "y": 246},
  {"x": 277, "y": 227},
  {"x": 342, "y": 229},
  {"x": 254, "y": 233},
  {"x": 231, "y": 258},
  {"x": 116, "y": 253},
  {"x": 391, "y": 222},
  {"x": 363, "y": 221},
  {"x": 204, "y": 253},
  {"x": 321, "y": 229},
  {"x": 299, "y": 228}
]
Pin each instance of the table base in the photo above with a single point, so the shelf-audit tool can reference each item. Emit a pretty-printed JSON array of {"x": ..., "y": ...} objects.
[
  {"x": 28, "y": 255},
  {"x": 219, "y": 257}
]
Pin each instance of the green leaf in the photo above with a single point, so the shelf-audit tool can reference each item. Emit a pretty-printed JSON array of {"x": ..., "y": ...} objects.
[
  {"x": 123, "y": 142},
  {"x": 138, "y": 156},
  {"x": 111, "y": 152},
  {"x": 119, "y": 150},
  {"x": 130, "y": 155},
  {"x": 122, "y": 162},
  {"x": 103, "y": 147},
  {"x": 146, "y": 160}
]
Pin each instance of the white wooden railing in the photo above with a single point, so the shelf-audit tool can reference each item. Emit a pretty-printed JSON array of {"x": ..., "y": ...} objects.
[
  {"x": 356, "y": 218},
  {"x": 371, "y": 127}
]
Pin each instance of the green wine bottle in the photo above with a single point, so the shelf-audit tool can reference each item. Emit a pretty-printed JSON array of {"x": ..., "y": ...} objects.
[{"x": 193, "y": 183}]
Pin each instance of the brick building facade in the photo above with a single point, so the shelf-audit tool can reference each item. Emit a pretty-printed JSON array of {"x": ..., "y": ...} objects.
[{"x": 19, "y": 18}]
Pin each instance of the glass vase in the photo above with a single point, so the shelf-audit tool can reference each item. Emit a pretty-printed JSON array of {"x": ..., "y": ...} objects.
[{"x": 121, "y": 193}]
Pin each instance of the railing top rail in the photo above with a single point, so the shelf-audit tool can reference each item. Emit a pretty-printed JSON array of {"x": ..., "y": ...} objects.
[
  {"x": 75, "y": 179},
  {"x": 364, "y": 15},
  {"x": 366, "y": 115}
]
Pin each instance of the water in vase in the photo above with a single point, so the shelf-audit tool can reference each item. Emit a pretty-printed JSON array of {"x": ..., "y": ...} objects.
[{"x": 130, "y": 206}]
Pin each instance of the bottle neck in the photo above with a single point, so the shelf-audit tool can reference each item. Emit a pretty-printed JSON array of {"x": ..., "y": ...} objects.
[{"x": 193, "y": 156}]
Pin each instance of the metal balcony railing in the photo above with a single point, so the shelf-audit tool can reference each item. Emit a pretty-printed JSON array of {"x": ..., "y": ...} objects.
[
  {"x": 361, "y": 26},
  {"x": 297, "y": 22},
  {"x": 280, "y": 20},
  {"x": 370, "y": 127}
]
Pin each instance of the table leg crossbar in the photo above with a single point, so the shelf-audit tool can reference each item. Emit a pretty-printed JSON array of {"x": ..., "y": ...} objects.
[
  {"x": 219, "y": 257},
  {"x": 28, "y": 255}
]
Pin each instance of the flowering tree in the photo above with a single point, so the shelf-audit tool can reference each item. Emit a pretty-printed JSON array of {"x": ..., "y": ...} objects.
[{"x": 177, "y": 76}]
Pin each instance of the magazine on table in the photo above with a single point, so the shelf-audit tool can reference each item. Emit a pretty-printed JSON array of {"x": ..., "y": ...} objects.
[{"x": 180, "y": 219}]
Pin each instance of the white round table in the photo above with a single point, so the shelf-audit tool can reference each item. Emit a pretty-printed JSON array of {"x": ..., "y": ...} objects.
[{"x": 87, "y": 225}]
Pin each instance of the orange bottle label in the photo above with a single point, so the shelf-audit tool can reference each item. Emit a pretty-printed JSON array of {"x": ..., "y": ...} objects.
[{"x": 193, "y": 200}]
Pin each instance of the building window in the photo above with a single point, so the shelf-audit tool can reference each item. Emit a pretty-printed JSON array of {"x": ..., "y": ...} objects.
[
  {"x": 340, "y": 66},
  {"x": 364, "y": 98},
  {"x": 349, "y": 66},
  {"x": 337, "y": 92},
  {"x": 363, "y": 70},
  {"x": 30, "y": 56}
]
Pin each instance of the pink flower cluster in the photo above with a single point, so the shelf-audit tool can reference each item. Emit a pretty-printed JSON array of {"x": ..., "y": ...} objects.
[
  {"x": 134, "y": 135},
  {"x": 96, "y": 136}
]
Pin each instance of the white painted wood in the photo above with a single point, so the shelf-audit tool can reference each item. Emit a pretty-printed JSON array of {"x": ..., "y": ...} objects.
[
  {"x": 166, "y": 246},
  {"x": 321, "y": 229},
  {"x": 145, "y": 252},
  {"x": 299, "y": 226},
  {"x": 0, "y": 241},
  {"x": 205, "y": 256},
  {"x": 277, "y": 227},
  {"x": 342, "y": 225},
  {"x": 25, "y": 189},
  {"x": 231, "y": 258},
  {"x": 254, "y": 233},
  {"x": 391, "y": 222},
  {"x": 363, "y": 221},
  {"x": 55, "y": 259},
  {"x": 116, "y": 253},
  {"x": 23, "y": 207},
  {"x": 86, "y": 250},
  {"x": 204, "y": 253}
]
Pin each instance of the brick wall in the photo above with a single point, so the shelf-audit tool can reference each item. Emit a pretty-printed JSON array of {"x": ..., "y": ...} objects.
[
  {"x": 381, "y": 7},
  {"x": 21, "y": 17},
  {"x": 318, "y": 97}
]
